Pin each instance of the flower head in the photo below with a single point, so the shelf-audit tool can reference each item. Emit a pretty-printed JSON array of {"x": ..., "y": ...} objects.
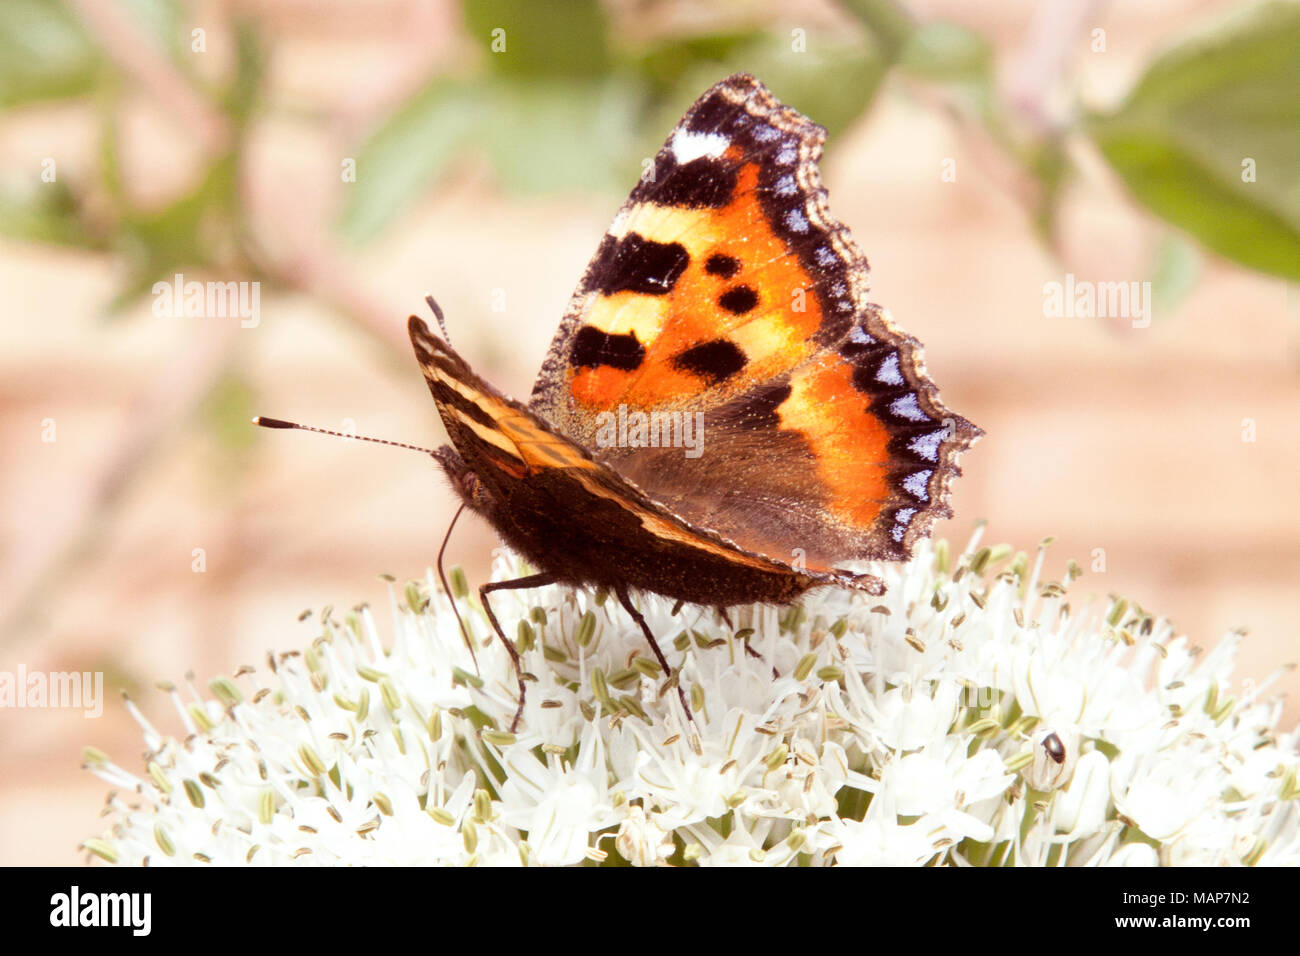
[{"x": 969, "y": 716}]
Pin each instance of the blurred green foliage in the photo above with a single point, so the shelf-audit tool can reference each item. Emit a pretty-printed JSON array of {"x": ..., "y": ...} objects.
[
  {"x": 43, "y": 54},
  {"x": 563, "y": 98},
  {"x": 544, "y": 39},
  {"x": 559, "y": 106},
  {"x": 1209, "y": 139}
]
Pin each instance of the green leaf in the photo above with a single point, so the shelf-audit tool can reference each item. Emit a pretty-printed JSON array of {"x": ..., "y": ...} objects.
[
  {"x": 561, "y": 133},
  {"x": 947, "y": 51},
  {"x": 830, "y": 79},
  {"x": 44, "y": 53},
  {"x": 832, "y": 82},
  {"x": 543, "y": 136},
  {"x": 406, "y": 153},
  {"x": 193, "y": 232},
  {"x": 561, "y": 136},
  {"x": 1209, "y": 116},
  {"x": 540, "y": 38},
  {"x": 666, "y": 64},
  {"x": 963, "y": 60},
  {"x": 889, "y": 22}
]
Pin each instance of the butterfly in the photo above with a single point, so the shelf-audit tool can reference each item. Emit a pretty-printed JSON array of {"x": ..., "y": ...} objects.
[
  {"x": 723, "y": 417},
  {"x": 727, "y": 302}
]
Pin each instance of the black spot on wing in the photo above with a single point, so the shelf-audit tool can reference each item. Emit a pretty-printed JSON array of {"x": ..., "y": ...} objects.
[
  {"x": 592, "y": 347},
  {"x": 636, "y": 264},
  {"x": 716, "y": 361},
  {"x": 703, "y": 182},
  {"x": 715, "y": 111},
  {"x": 738, "y": 299},
  {"x": 758, "y": 408},
  {"x": 720, "y": 265}
]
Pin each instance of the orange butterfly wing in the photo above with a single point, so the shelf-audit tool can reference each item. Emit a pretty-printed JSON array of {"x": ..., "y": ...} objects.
[{"x": 727, "y": 306}]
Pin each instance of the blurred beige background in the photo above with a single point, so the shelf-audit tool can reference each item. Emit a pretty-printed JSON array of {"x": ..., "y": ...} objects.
[{"x": 1113, "y": 438}]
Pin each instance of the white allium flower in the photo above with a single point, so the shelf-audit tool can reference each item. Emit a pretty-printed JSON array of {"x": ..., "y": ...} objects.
[
  {"x": 641, "y": 840},
  {"x": 1080, "y": 809},
  {"x": 881, "y": 840},
  {"x": 966, "y": 717}
]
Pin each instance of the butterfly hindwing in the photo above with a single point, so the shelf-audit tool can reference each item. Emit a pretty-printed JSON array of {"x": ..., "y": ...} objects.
[
  {"x": 572, "y": 515},
  {"x": 725, "y": 289}
]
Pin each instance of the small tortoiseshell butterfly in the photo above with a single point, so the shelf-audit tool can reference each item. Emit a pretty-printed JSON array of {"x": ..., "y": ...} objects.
[{"x": 726, "y": 295}]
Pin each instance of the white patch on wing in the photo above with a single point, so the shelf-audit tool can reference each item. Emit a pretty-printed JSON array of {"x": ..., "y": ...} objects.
[
  {"x": 687, "y": 145},
  {"x": 901, "y": 518},
  {"x": 927, "y": 446},
  {"x": 888, "y": 371},
  {"x": 916, "y": 484},
  {"x": 906, "y": 407}
]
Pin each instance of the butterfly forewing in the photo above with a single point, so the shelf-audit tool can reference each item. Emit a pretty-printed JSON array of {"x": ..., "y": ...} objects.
[{"x": 726, "y": 289}]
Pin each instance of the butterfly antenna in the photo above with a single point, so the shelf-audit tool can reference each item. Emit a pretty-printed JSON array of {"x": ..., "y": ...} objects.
[
  {"x": 442, "y": 576},
  {"x": 280, "y": 423},
  {"x": 437, "y": 312}
]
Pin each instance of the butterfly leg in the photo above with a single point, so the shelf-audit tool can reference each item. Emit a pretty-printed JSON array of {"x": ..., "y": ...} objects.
[
  {"x": 518, "y": 584},
  {"x": 654, "y": 645},
  {"x": 442, "y": 575},
  {"x": 726, "y": 619}
]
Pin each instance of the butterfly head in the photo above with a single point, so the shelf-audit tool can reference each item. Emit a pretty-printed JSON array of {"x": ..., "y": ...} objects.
[{"x": 463, "y": 480}]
